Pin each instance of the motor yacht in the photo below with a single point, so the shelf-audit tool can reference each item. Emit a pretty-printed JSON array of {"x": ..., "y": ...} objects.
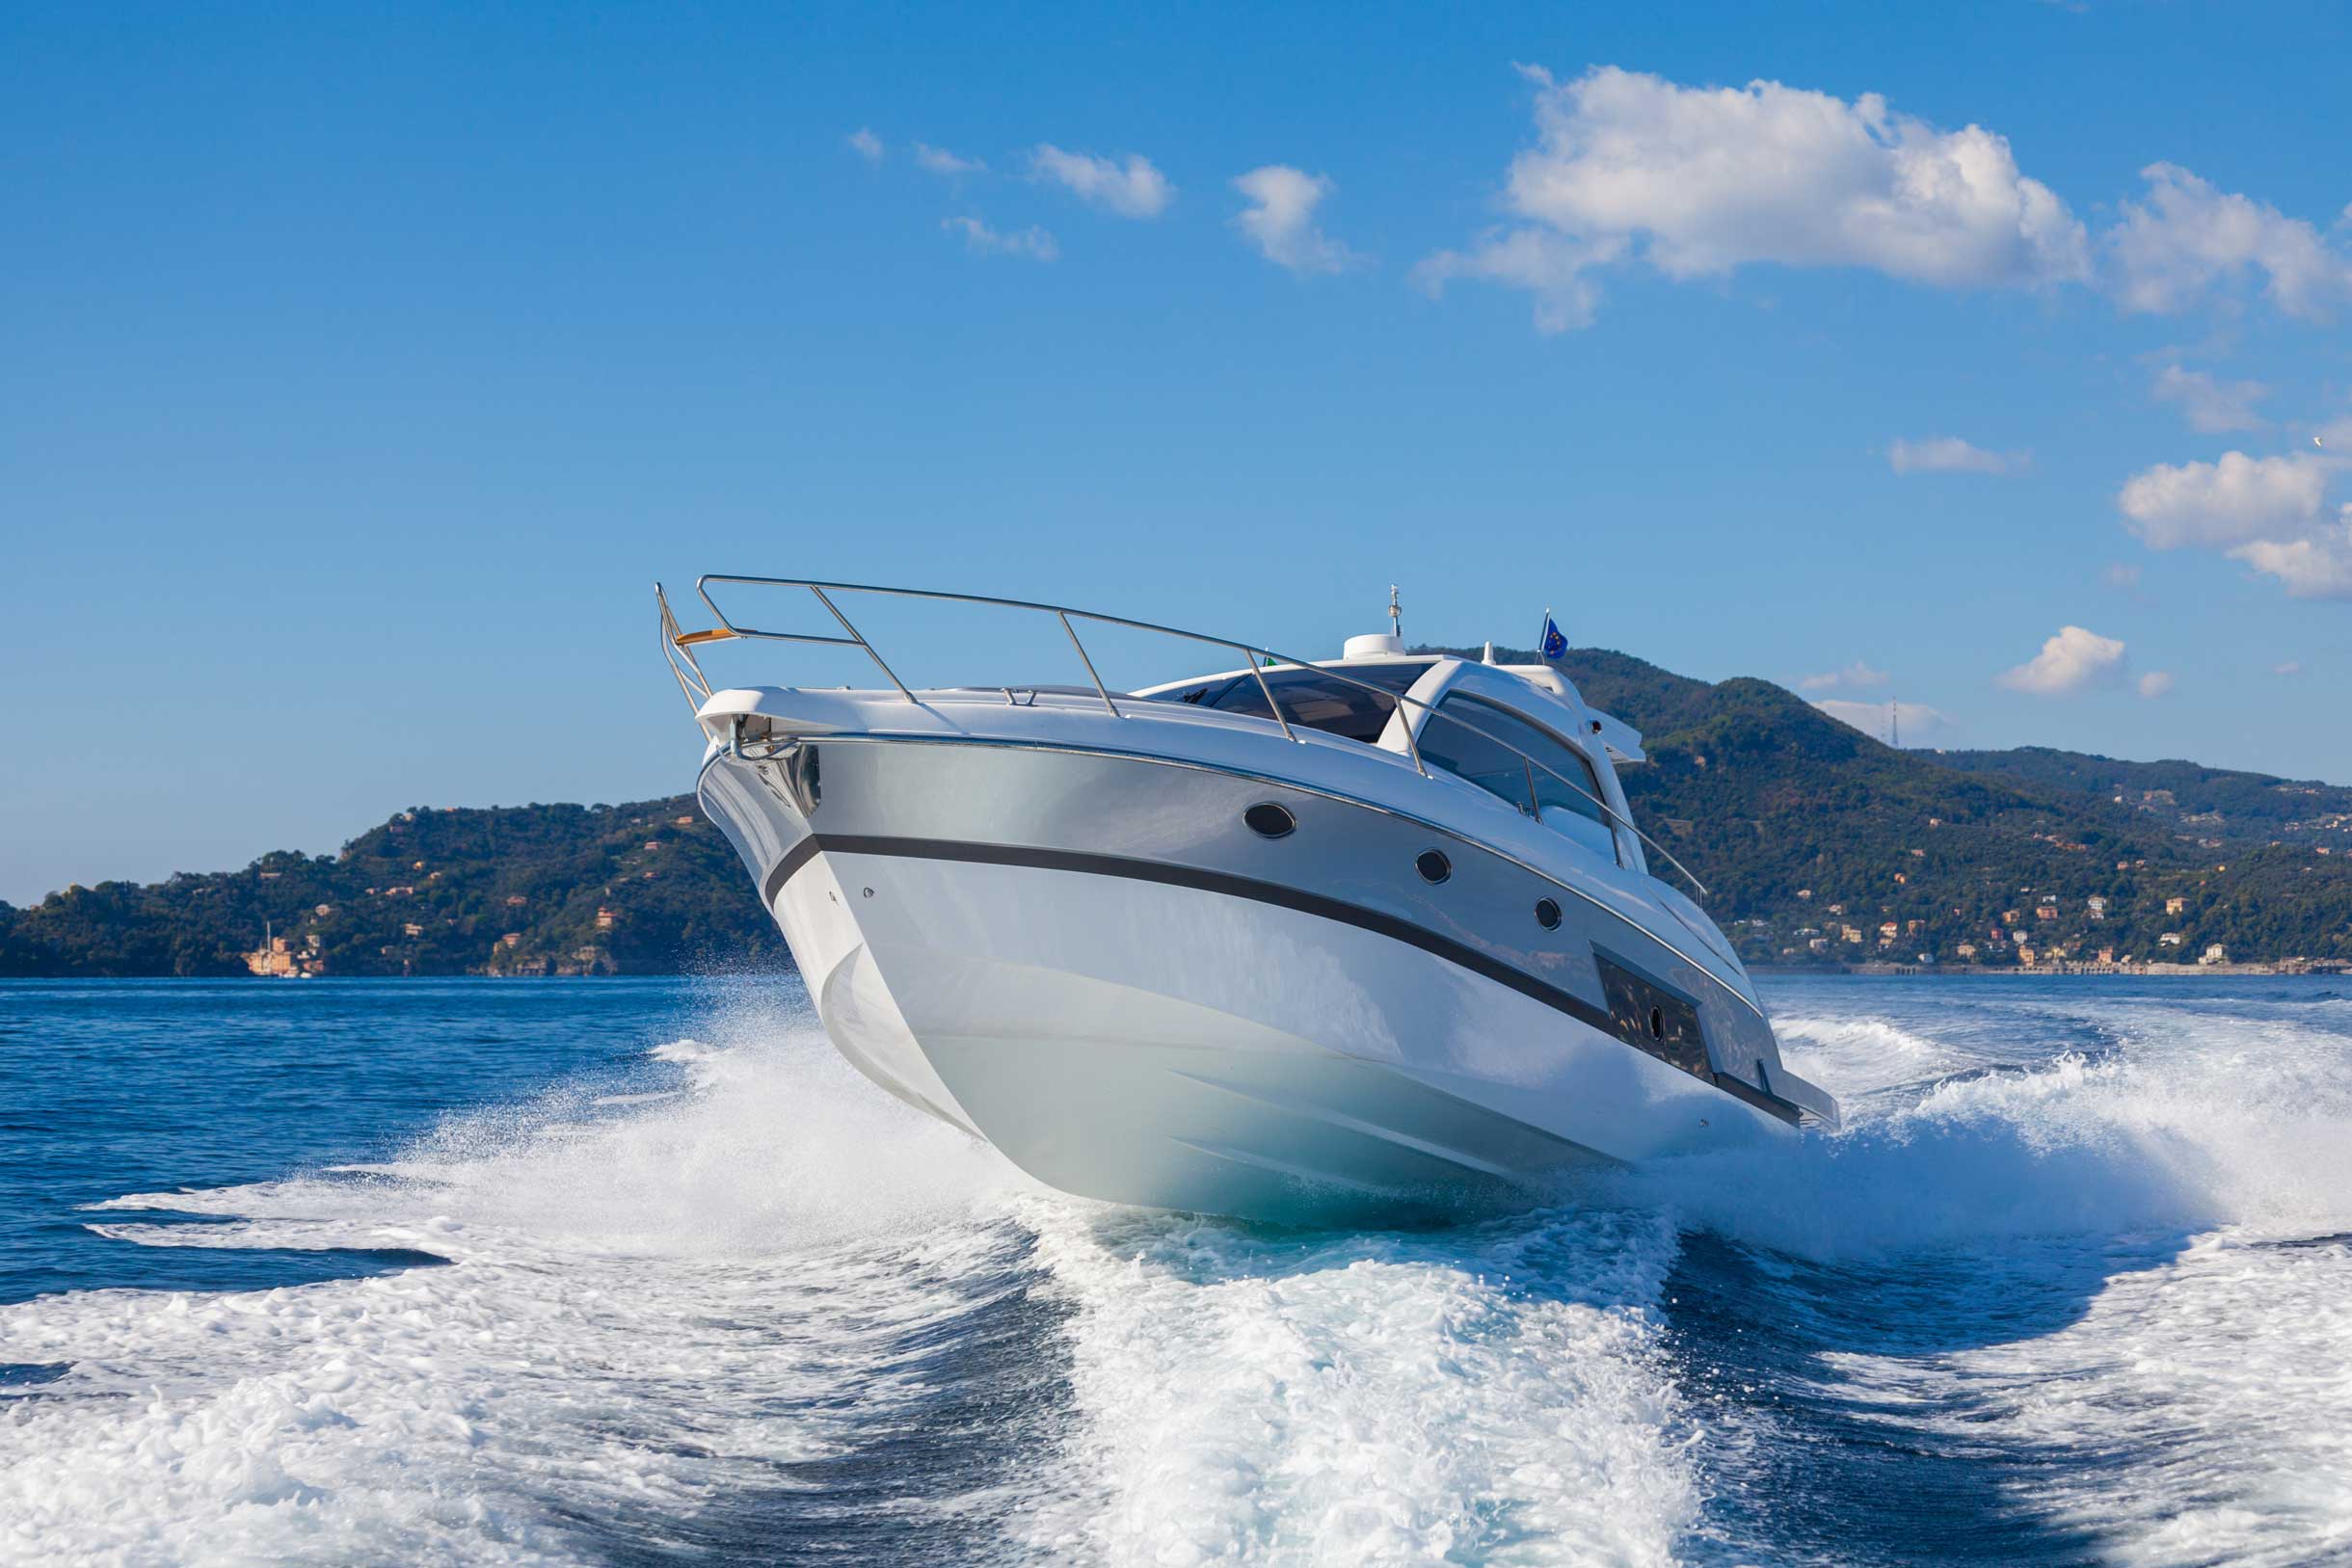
[{"x": 1301, "y": 940}]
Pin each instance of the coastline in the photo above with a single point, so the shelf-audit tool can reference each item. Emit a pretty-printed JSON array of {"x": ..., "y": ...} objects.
[{"x": 2289, "y": 967}]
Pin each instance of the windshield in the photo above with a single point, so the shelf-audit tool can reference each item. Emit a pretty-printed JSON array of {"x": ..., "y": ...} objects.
[
  {"x": 1312, "y": 698},
  {"x": 1490, "y": 748}
]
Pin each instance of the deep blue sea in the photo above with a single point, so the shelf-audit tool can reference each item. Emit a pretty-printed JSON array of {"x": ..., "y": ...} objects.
[{"x": 637, "y": 1272}]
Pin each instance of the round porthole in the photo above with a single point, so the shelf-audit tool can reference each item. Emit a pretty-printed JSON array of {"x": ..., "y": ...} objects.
[
  {"x": 1547, "y": 914},
  {"x": 1267, "y": 820},
  {"x": 1433, "y": 866},
  {"x": 1657, "y": 1024}
]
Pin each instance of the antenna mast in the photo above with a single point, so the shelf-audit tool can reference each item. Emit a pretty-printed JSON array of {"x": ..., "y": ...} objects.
[
  {"x": 1396, "y": 615},
  {"x": 1894, "y": 724}
]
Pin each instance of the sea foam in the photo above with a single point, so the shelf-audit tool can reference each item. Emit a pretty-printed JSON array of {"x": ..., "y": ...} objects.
[
  {"x": 640, "y": 1311},
  {"x": 657, "y": 1312}
]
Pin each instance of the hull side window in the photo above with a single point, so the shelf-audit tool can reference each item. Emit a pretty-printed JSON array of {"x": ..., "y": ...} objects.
[{"x": 1653, "y": 1018}]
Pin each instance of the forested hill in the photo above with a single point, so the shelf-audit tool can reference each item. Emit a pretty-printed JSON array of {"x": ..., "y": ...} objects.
[
  {"x": 1819, "y": 845},
  {"x": 2184, "y": 797},
  {"x": 648, "y": 889}
]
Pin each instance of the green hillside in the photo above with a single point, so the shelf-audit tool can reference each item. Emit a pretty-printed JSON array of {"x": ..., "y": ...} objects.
[
  {"x": 2184, "y": 797},
  {"x": 648, "y": 889},
  {"x": 1812, "y": 837}
]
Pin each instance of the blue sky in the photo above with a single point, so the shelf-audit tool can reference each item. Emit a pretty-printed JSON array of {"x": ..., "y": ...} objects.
[{"x": 360, "y": 369}]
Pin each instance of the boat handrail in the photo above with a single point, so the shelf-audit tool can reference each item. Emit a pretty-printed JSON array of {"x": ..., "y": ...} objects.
[{"x": 680, "y": 645}]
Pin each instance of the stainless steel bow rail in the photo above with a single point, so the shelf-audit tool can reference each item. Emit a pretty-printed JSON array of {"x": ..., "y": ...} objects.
[{"x": 677, "y": 649}]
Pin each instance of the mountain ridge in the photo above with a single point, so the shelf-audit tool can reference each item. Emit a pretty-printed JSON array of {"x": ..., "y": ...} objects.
[{"x": 1818, "y": 844}]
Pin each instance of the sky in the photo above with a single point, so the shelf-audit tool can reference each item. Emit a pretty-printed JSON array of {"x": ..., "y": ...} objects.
[{"x": 361, "y": 368}]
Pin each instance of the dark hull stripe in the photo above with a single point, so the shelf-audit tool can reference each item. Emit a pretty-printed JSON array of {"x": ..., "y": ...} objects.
[
  {"x": 794, "y": 857},
  {"x": 1231, "y": 885},
  {"x": 1284, "y": 782},
  {"x": 1767, "y": 1103}
]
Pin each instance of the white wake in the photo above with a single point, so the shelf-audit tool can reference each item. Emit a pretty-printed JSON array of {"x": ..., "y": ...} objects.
[{"x": 654, "y": 1300}]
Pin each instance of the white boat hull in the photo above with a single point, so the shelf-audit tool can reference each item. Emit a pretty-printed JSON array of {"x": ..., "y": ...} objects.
[
  {"x": 1179, "y": 1049},
  {"x": 1127, "y": 1004}
]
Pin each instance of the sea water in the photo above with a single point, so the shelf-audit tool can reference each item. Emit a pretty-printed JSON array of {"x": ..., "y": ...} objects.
[{"x": 639, "y": 1272}]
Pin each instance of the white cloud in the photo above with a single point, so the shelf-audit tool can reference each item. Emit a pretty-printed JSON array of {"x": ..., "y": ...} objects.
[
  {"x": 2072, "y": 661},
  {"x": 1700, "y": 181},
  {"x": 1858, "y": 673},
  {"x": 1546, "y": 265},
  {"x": 2220, "y": 504},
  {"x": 1034, "y": 244},
  {"x": 1949, "y": 454},
  {"x": 940, "y": 161},
  {"x": 1131, "y": 190},
  {"x": 2155, "y": 683},
  {"x": 2268, "y": 513},
  {"x": 865, "y": 144},
  {"x": 2187, "y": 238},
  {"x": 2316, "y": 567},
  {"x": 2293, "y": 667},
  {"x": 2211, "y": 405},
  {"x": 1280, "y": 219},
  {"x": 2122, "y": 576},
  {"x": 1918, "y": 721}
]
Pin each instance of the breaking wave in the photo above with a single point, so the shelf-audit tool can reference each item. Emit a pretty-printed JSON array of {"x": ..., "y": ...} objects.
[{"x": 2073, "y": 1285}]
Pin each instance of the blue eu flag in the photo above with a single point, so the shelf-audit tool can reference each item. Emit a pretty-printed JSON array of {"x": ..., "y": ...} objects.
[{"x": 1554, "y": 644}]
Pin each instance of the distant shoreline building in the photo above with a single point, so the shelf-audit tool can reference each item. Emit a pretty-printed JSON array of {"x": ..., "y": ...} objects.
[{"x": 277, "y": 958}]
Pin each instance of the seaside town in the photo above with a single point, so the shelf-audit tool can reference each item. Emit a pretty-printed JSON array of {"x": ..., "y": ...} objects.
[
  {"x": 425, "y": 921},
  {"x": 2051, "y": 932}
]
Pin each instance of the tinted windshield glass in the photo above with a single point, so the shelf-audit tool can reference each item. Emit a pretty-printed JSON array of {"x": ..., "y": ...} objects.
[
  {"x": 1470, "y": 754},
  {"x": 1312, "y": 698},
  {"x": 1570, "y": 802}
]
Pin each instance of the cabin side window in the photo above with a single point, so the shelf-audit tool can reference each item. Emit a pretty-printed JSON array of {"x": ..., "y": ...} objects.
[{"x": 1566, "y": 798}]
